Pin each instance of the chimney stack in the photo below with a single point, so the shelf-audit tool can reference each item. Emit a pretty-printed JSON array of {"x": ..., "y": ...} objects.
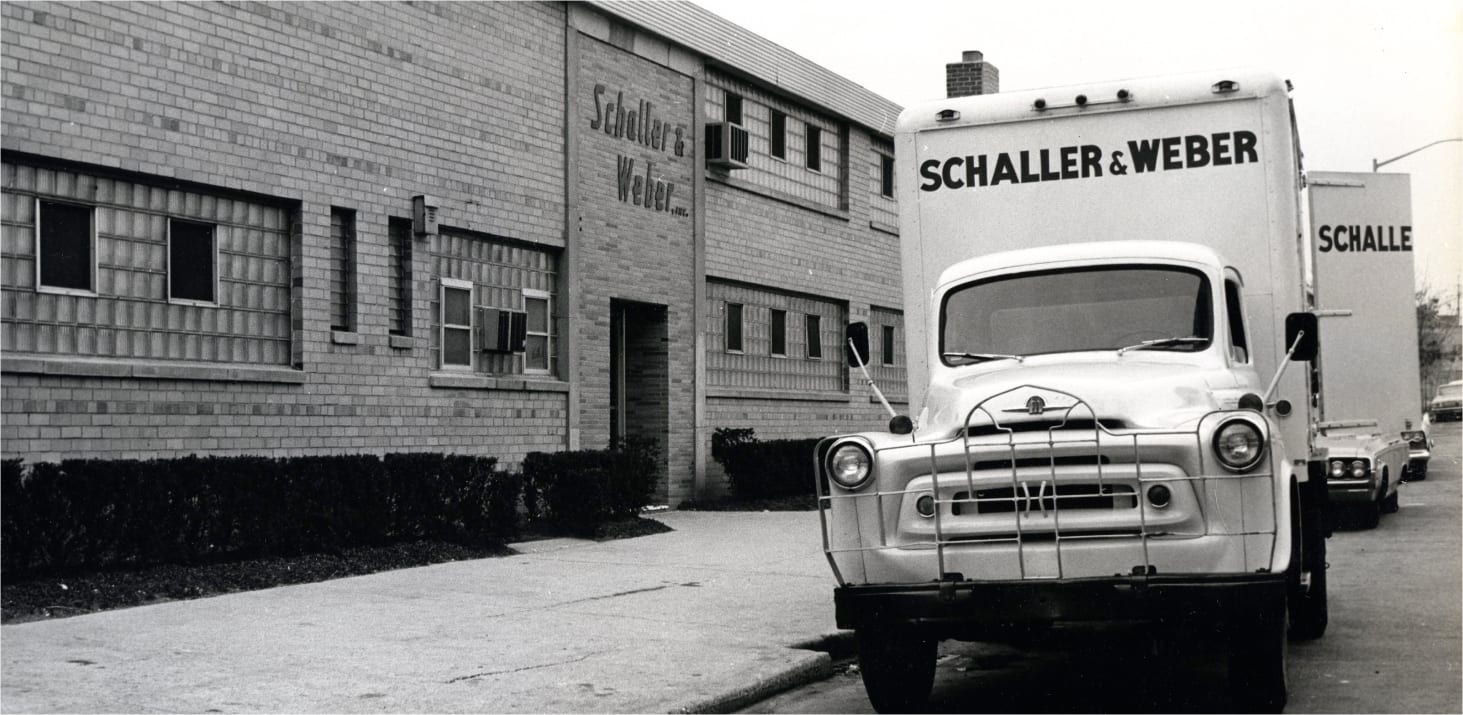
[{"x": 971, "y": 75}]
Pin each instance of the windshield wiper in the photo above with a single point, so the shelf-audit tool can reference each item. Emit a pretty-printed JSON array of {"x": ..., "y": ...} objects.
[
  {"x": 1164, "y": 343},
  {"x": 973, "y": 358}
]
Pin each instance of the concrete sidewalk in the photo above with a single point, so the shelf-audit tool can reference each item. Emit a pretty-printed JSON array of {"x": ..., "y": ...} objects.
[{"x": 701, "y": 619}]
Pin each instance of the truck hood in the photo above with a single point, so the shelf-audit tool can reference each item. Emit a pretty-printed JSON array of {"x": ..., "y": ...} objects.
[{"x": 1121, "y": 391}]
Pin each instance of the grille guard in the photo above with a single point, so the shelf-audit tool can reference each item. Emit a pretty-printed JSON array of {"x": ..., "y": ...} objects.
[{"x": 983, "y": 420}]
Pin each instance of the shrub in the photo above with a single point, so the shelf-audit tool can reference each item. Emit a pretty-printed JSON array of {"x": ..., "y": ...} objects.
[
  {"x": 579, "y": 491},
  {"x": 97, "y": 514},
  {"x": 764, "y": 470}
]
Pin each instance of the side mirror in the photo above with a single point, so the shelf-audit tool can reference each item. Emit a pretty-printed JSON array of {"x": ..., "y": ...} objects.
[
  {"x": 856, "y": 339},
  {"x": 1306, "y": 327}
]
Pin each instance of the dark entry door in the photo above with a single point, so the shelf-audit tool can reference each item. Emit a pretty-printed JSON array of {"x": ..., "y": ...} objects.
[{"x": 639, "y": 372}]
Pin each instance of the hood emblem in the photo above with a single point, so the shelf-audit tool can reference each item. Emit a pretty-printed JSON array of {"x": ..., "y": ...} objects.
[{"x": 1037, "y": 406}]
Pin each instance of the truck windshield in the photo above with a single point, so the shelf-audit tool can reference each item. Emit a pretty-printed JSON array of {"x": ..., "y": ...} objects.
[{"x": 1100, "y": 308}]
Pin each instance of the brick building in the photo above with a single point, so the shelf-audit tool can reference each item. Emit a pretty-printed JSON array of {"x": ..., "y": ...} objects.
[{"x": 491, "y": 228}]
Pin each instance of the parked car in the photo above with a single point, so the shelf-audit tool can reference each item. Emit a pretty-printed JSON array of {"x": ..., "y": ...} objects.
[
  {"x": 1448, "y": 404},
  {"x": 1420, "y": 449}
]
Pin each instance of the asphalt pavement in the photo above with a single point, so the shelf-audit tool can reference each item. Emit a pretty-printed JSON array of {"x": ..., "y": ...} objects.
[{"x": 727, "y": 609}]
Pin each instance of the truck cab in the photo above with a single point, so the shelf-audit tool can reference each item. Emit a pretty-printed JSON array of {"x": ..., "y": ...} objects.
[{"x": 1103, "y": 428}]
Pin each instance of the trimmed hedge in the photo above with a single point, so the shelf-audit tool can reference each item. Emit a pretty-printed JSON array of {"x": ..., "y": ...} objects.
[
  {"x": 579, "y": 491},
  {"x": 97, "y": 514},
  {"x": 765, "y": 470}
]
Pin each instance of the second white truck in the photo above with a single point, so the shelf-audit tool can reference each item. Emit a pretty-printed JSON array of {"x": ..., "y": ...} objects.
[{"x": 1370, "y": 398}]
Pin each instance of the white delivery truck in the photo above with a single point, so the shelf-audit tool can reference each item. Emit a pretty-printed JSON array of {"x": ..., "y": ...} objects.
[
  {"x": 1370, "y": 409},
  {"x": 1102, "y": 290}
]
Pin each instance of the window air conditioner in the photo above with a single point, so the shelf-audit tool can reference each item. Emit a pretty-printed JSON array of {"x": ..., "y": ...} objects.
[
  {"x": 501, "y": 331},
  {"x": 726, "y": 145}
]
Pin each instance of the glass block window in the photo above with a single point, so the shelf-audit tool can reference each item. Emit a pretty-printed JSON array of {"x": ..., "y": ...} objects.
[
  {"x": 192, "y": 261},
  {"x": 67, "y": 246},
  {"x": 755, "y": 320}
]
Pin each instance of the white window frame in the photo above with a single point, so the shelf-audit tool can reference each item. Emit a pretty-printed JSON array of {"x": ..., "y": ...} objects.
[
  {"x": 61, "y": 290},
  {"x": 168, "y": 281},
  {"x": 445, "y": 284},
  {"x": 547, "y": 334}
]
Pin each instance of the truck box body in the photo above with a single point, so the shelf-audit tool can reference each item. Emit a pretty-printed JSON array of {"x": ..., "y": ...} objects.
[
  {"x": 1177, "y": 160},
  {"x": 1362, "y": 258},
  {"x": 1101, "y": 286}
]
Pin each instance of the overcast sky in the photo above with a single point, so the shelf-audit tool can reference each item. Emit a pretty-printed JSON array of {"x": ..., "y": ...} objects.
[{"x": 1372, "y": 79}]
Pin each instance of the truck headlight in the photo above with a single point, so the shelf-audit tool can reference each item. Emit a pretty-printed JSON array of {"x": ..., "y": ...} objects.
[
  {"x": 1238, "y": 445},
  {"x": 1338, "y": 469},
  {"x": 850, "y": 466},
  {"x": 1358, "y": 469}
]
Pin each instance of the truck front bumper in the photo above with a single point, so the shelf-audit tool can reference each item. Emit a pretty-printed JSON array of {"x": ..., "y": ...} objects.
[{"x": 952, "y": 608}]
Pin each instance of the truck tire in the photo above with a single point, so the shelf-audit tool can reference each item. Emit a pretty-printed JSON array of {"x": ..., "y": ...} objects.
[
  {"x": 1257, "y": 673},
  {"x": 1309, "y": 610},
  {"x": 898, "y": 669}
]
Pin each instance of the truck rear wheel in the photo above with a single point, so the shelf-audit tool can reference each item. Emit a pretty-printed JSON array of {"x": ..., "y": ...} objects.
[
  {"x": 1257, "y": 673},
  {"x": 898, "y": 669}
]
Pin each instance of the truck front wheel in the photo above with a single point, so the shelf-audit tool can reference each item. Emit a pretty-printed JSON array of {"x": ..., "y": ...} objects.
[
  {"x": 898, "y": 669},
  {"x": 1257, "y": 674}
]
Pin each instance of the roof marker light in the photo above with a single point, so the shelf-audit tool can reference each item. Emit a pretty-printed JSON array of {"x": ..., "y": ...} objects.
[
  {"x": 1081, "y": 100},
  {"x": 1039, "y": 104},
  {"x": 1124, "y": 95},
  {"x": 947, "y": 115},
  {"x": 1225, "y": 86}
]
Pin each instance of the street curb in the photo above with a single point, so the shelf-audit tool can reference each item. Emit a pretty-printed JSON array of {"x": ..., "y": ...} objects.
[
  {"x": 817, "y": 666},
  {"x": 810, "y": 668}
]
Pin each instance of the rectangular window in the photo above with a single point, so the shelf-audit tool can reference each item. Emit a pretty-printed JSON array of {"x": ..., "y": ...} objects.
[
  {"x": 886, "y": 175},
  {"x": 777, "y": 331},
  {"x": 399, "y": 287},
  {"x": 536, "y": 346},
  {"x": 456, "y": 324},
  {"x": 192, "y": 261},
  {"x": 813, "y": 148},
  {"x": 887, "y": 356},
  {"x": 342, "y": 269},
  {"x": 814, "y": 327},
  {"x": 66, "y": 249},
  {"x": 734, "y": 327},
  {"x": 778, "y": 137},
  {"x": 734, "y": 108}
]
